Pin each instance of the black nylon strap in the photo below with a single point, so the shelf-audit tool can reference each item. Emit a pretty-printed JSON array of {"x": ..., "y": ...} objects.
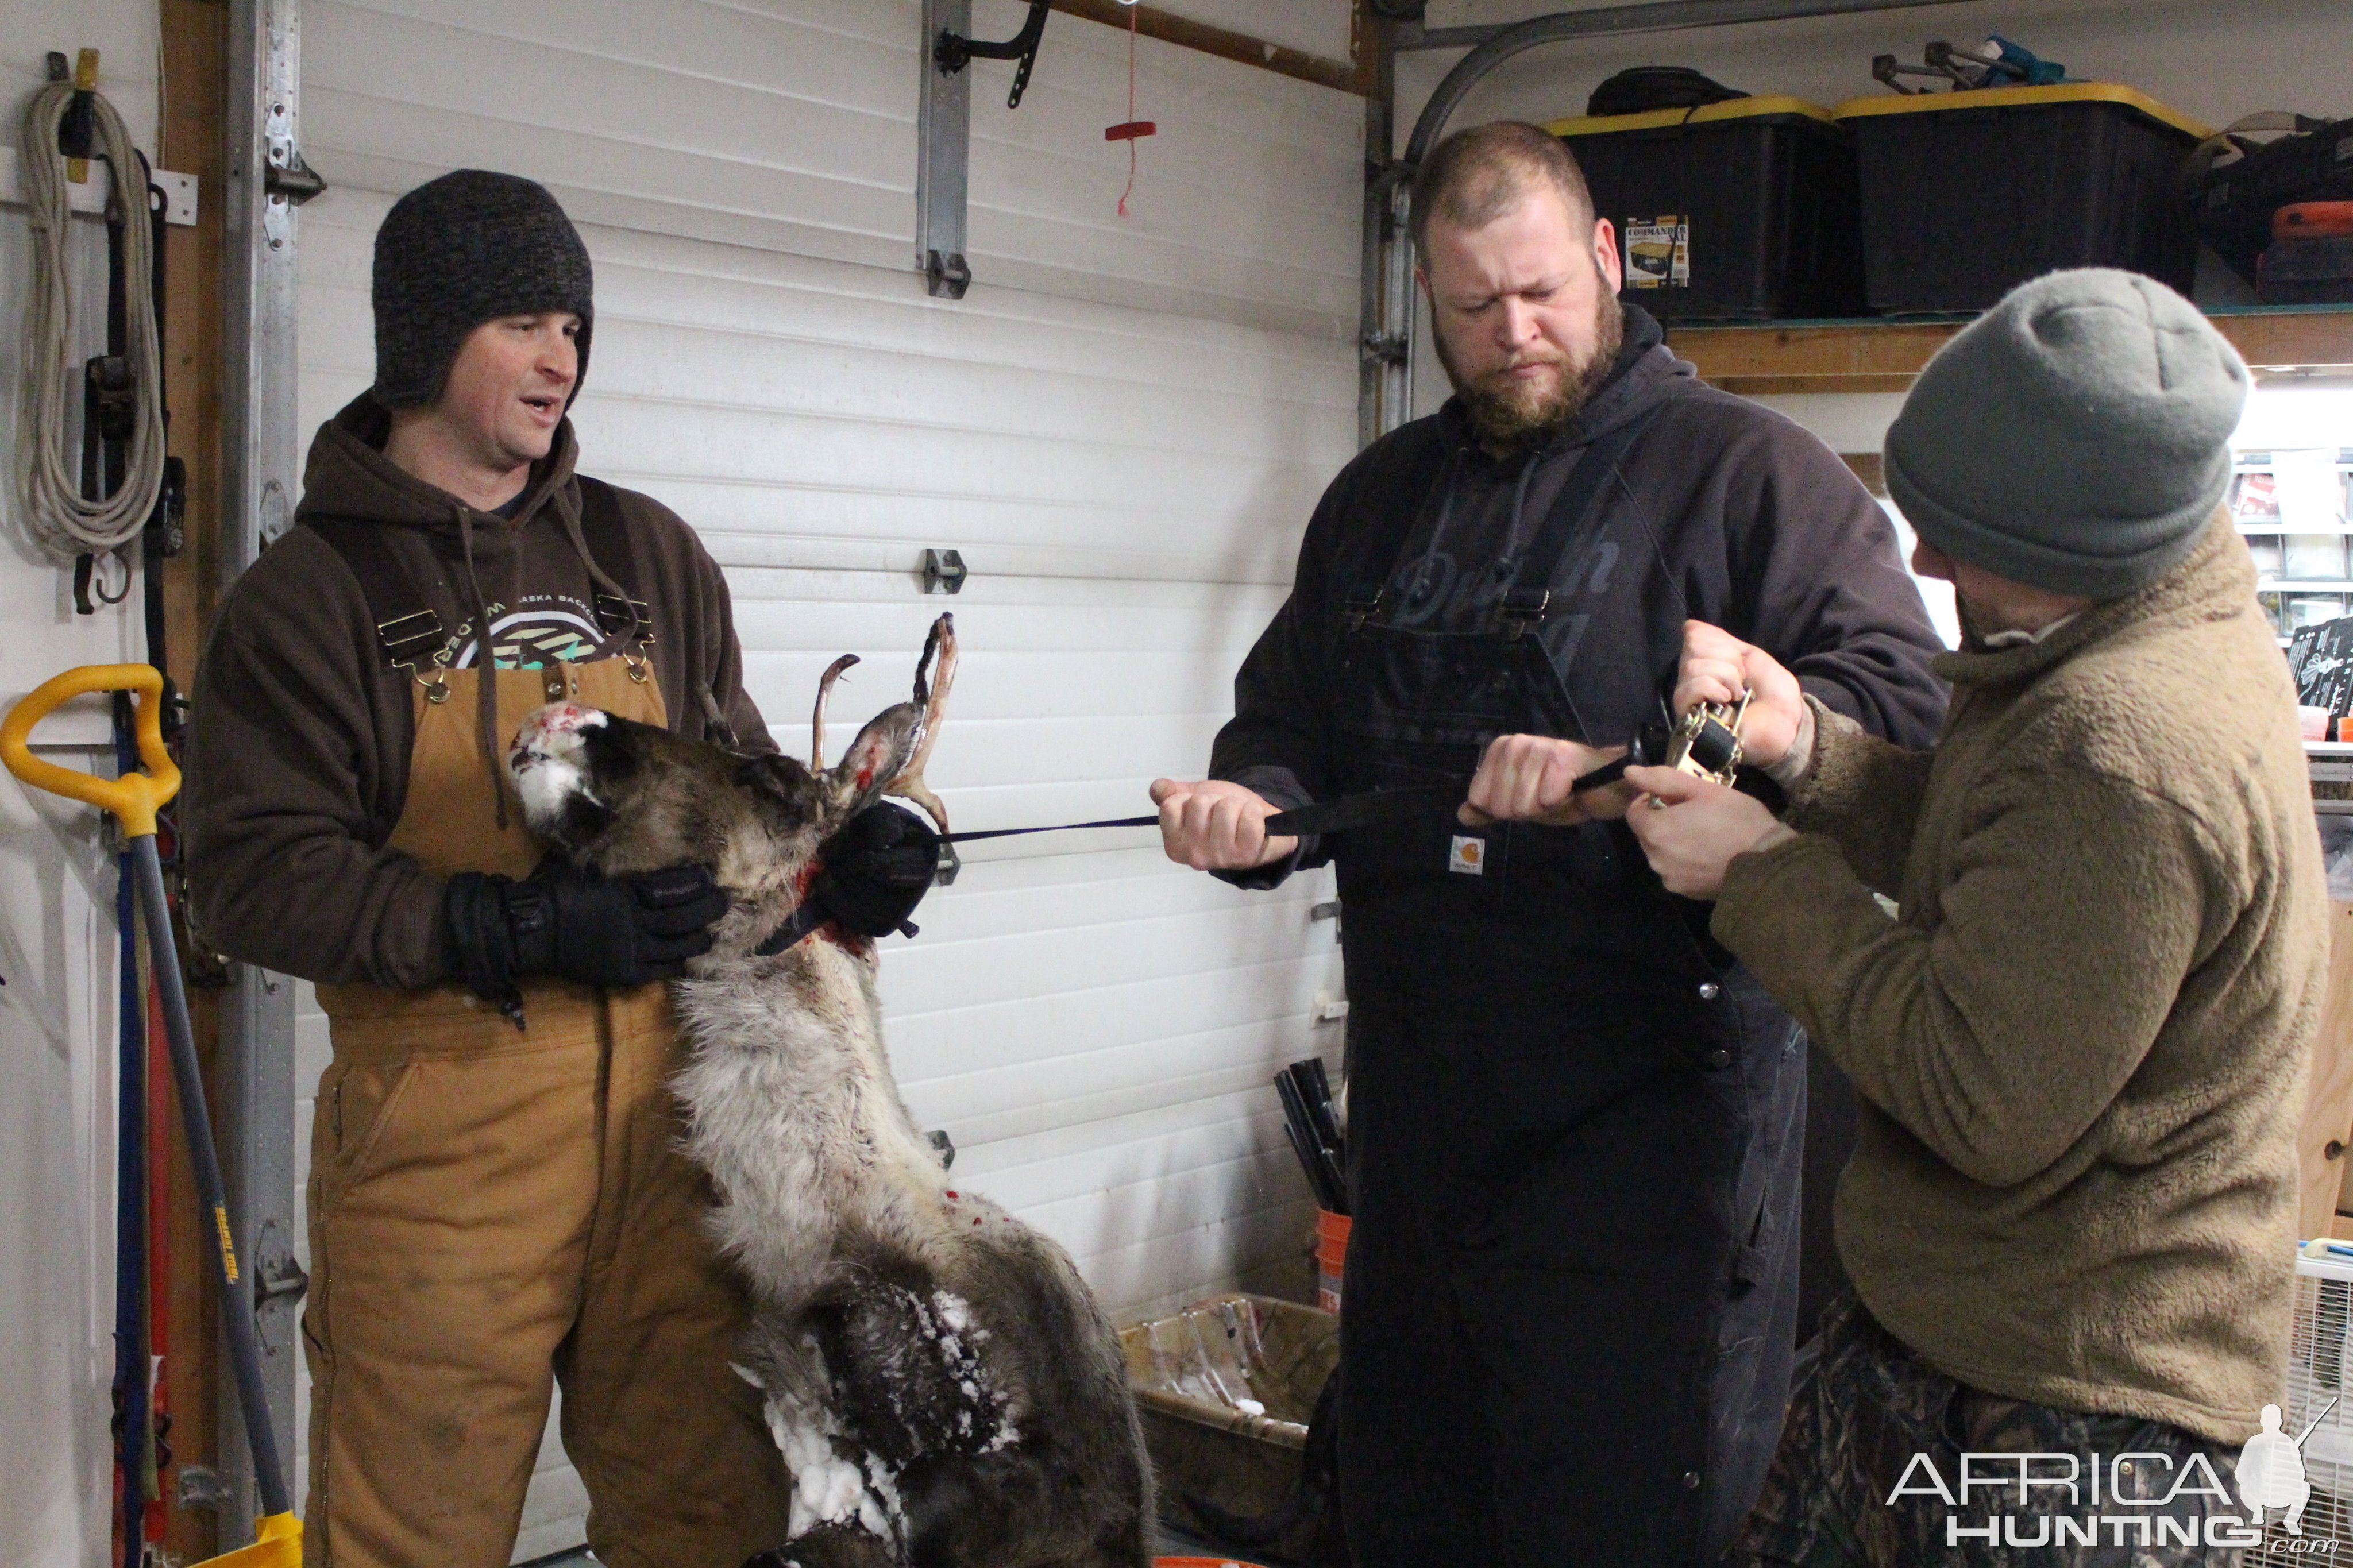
[
  {"x": 1540, "y": 567},
  {"x": 1152, "y": 821},
  {"x": 798, "y": 925},
  {"x": 607, "y": 534},
  {"x": 404, "y": 617}
]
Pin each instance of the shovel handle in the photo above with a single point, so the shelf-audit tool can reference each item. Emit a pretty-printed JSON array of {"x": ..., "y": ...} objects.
[{"x": 133, "y": 798}]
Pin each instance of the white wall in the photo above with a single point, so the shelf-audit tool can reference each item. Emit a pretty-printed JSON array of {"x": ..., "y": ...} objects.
[
  {"x": 57, "y": 925},
  {"x": 1124, "y": 427}
]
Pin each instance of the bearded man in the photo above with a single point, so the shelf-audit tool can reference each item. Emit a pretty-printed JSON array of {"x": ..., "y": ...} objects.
[{"x": 1576, "y": 1125}]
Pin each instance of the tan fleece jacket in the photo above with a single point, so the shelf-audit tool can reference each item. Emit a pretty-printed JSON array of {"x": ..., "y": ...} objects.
[{"x": 2081, "y": 1046}]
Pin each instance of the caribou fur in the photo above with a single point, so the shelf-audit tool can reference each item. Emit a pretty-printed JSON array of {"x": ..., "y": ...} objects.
[{"x": 942, "y": 1386}]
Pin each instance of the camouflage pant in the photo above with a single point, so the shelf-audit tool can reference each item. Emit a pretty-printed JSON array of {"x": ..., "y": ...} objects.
[{"x": 1873, "y": 1421}]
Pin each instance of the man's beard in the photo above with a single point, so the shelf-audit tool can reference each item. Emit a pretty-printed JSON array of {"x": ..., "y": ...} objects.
[{"x": 1508, "y": 413}]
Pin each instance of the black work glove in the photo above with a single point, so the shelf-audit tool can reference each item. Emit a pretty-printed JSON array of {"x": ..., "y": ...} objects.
[
  {"x": 877, "y": 869},
  {"x": 615, "y": 931}
]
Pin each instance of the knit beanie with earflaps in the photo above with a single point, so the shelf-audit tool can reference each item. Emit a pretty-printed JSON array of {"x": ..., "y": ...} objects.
[
  {"x": 2075, "y": 438},
  {"x": 463, "y": 249}
]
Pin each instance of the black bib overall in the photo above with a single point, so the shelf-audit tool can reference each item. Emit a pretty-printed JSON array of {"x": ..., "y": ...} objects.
[{"x": 1576, "y": 1126}]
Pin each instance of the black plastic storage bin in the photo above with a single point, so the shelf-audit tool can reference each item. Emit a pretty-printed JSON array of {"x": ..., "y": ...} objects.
[
  {"x": 1744, "y": 210},
  {"x": 2234, "y": 211},
  {"x": 1967, "y": 194}
]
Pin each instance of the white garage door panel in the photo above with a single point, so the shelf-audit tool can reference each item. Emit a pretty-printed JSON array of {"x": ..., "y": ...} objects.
[
  {"x": 1017, "y": 614},
  {"x": 1102, "y": 954},
  {"x": 1124, "y": 429},
  {"x": 815, "y": 58},
  {"x": 1281, "y": 1237},
  {"x": 588, "y": 103},
  {"x": 642, "y": 445},
  {"x": 929, "y": 395},
  {"x": 988, "y": 1106},
  {"x": 880, "y": 426},
  {"x": 1246, "y": 211},
  {"x": 662, "y": 279},
  {"x": 819, "y": 156}
]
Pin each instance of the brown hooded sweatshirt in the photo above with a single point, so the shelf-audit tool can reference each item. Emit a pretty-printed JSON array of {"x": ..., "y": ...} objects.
[{"x": 299, "y": 739}]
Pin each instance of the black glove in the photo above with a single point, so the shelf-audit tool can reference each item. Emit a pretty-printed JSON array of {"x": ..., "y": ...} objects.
[
  {"x": 877, "y": 869},
  {"x": 615, "y": 931}
]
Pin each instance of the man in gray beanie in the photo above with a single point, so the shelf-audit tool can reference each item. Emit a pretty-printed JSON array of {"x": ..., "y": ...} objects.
[{"x": 2079, "y": 1038}]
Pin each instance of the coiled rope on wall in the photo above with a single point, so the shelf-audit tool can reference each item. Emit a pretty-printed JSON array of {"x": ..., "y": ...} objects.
[{"x": 57, "y": 515}]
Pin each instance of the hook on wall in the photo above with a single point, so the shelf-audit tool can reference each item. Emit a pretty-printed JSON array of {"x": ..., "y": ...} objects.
[{"x": 955, "y": 51}]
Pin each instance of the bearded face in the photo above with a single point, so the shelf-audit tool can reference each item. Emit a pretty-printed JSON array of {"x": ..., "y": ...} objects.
[
  {"x": 1542, "y": 389},
  {"x": 1525, "y": 305}
]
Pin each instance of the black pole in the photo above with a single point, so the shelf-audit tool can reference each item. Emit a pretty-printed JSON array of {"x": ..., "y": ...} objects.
[{"x": 235, "y": 1290}]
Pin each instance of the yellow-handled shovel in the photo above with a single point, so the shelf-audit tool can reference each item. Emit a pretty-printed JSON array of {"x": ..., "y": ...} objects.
[{"x": 134, "y": 799}]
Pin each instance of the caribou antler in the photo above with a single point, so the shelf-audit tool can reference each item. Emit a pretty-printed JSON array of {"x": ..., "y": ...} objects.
[
  {"x": 931, "y": 695},
  {"x": 817, "y": 721}
]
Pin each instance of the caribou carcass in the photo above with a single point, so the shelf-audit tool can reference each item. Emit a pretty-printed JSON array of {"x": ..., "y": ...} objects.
[{"x": 944, "y": 1388}]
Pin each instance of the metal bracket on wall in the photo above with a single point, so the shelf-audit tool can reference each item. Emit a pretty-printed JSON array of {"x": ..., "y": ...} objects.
[
  {"x": 279, "y": 1285},
  {"x": 954, "y": 51},
  {"x": 943, "y": 132},
  {"x": 944, "y": 572}
]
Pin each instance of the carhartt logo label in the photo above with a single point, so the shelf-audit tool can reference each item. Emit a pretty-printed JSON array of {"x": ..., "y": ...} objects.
[{"x": 1468, "y": 856}]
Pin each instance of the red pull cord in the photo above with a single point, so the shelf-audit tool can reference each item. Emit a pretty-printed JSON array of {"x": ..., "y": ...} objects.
[{"x": 1131, "y": 130}]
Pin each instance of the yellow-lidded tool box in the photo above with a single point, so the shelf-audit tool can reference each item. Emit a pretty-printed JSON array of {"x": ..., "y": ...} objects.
[
  {"x": 1967, "y": 194},
  {"x": 1744, "y": 209}
]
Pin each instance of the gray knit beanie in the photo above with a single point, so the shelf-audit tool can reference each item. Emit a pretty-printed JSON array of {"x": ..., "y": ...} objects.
[
  {"x": 463, "y": 249},
  {"x": 2075, "y": 438}
]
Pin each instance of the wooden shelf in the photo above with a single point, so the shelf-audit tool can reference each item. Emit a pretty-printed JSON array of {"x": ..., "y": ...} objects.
[{"x": 1886, "y": 356}]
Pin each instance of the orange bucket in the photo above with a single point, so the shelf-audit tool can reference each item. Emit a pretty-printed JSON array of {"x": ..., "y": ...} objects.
[{"x": 1331, "y": 1257}]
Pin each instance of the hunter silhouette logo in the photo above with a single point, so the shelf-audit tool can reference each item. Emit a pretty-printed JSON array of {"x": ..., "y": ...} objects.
[{"x": 2271, "y": 1471}]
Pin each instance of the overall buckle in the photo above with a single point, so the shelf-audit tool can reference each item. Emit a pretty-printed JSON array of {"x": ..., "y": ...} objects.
[
  {"x": 1521, "y": 609},
  {"x": 1362, "y": 604},
  {"x": 411, "y": 638},
  {"x": 630, "y": 619}
]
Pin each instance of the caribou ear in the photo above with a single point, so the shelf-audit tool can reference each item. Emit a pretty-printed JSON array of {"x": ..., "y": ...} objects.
[{"x": 874, "y": 758}]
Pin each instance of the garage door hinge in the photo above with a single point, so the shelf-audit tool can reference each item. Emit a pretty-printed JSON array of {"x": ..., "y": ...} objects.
[
  {"x": 944, "y": 572},
  {"x": 278, "y": 1283}
]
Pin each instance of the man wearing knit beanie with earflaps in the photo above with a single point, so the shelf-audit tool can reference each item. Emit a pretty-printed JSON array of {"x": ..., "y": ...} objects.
[
  {"x": 2081, "y": 1036},
  {"x": 497, "y": 1201}
]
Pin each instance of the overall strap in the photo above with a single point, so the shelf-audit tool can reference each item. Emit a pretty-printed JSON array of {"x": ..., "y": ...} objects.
[
  {"x": 1529, "y": 598},
  {"x": 406, "y": 625},
  {"x": 1377, "y": 553},
  {"x": 606, "y": 535}
]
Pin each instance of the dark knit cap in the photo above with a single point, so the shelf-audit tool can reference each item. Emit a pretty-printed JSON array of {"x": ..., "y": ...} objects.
[
  {"x": 2075, "y": 438},
  {"x": 463, "y": 249}
]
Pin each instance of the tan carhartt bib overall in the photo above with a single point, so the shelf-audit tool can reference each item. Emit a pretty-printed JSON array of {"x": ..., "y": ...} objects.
[{"x": 491, "y": 1211}]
